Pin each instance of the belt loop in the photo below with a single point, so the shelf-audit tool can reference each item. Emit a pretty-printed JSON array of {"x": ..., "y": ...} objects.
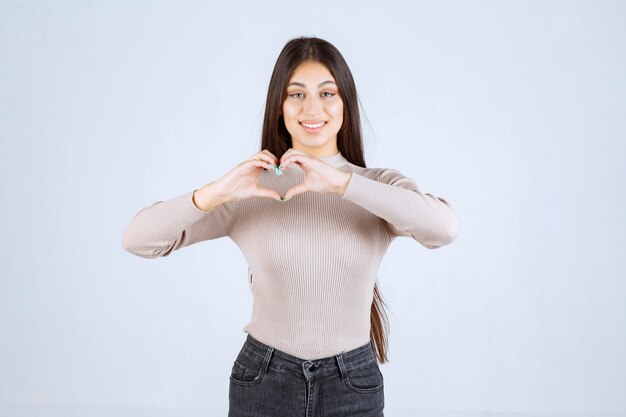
[
  {"x": 342, "y": 367},
  {"x": 266, "y": 360}
]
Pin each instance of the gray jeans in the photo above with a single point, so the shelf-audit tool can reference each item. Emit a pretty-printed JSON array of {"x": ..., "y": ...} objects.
[{"x": 267, "y": 382}]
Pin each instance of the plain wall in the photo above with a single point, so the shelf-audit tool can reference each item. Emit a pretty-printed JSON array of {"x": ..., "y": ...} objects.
[{"x": 513, "y": 111}]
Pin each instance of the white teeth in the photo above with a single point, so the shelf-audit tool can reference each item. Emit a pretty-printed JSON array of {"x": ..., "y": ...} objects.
[{"x": 313, "y": 126}]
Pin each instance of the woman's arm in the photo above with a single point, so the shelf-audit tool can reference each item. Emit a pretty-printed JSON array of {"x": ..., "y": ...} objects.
[
  {"x": 428, "y": 219},
  {"x": 168, "y": 225}
]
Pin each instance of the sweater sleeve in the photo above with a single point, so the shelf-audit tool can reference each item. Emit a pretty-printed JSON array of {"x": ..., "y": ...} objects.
[
  {"x": 395, "y": 198},
  {"x": 166, "y": 226}
]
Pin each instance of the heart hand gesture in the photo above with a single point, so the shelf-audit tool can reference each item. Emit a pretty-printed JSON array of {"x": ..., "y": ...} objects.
[{"x": 243, "y": 181}]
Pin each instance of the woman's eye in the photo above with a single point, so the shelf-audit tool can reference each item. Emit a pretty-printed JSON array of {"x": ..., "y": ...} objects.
[{"x": 324, "y": 94}]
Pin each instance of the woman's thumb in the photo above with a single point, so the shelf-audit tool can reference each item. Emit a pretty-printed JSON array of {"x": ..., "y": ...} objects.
[{"x": 264, "y": 192}]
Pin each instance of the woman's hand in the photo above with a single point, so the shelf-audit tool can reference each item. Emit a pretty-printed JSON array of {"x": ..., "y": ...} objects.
[
  {"x": 318, "y": 175},
  {"x": 240, "y": 182}
]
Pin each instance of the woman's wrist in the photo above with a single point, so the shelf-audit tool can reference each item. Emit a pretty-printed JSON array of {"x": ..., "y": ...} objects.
[
  {"x": 207, "y": 197},
  {"x": 344, "y": 184}
]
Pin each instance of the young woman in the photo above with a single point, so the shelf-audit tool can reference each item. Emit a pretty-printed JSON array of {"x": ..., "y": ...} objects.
[{"x": 313, "y": 222}]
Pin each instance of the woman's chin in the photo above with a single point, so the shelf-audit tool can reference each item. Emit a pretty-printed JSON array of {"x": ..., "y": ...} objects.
[{"x": 309, "y": 142}]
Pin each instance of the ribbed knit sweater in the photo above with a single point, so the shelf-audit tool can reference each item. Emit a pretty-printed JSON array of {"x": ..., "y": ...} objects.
[{"x": 313, "y": 259}]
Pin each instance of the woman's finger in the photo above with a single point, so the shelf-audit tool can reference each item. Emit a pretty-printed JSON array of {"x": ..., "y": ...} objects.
[
  {"x": 300, "y": 158},
  {"x": 264, "y": 155},
  {"x": 259, "y": 163},
  {"x": 265, "y": 192},
  {"x": 295, "y": 190}
]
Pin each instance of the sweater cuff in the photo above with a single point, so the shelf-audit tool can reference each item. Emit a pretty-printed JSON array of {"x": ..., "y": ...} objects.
[{"x": 187, "y": 205}]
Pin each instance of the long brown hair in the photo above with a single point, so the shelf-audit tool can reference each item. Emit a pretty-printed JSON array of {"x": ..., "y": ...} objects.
[{"x": 276, "y": 138}]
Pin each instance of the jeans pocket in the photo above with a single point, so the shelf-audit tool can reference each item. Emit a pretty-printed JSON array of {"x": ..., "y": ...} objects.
[
  {"x": 366, "y": 378},
  {"x": 246, "y": 370}
]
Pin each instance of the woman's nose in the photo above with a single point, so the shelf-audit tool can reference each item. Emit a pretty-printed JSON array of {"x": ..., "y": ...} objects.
[{"x": 312, "y": 105}]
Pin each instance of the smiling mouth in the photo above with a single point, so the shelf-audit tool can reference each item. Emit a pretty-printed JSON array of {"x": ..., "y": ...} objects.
[{"x": 313, "y": 125}]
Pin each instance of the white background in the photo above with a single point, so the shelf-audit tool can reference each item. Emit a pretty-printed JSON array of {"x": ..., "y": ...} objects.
[{"x": 513, "y": 111}]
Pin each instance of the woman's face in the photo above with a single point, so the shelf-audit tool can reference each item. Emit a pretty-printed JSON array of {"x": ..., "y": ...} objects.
[{"x": 313, "y": 99}]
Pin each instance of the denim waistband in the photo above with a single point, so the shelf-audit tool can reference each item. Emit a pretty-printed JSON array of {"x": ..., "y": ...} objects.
[{"x": 323, "y": 367}]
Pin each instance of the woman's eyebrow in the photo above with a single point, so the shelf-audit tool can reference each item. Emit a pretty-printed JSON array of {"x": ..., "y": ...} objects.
[{"x": 319, "y": 85}]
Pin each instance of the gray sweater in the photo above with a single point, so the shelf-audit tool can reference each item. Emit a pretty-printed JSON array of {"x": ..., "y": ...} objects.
[{"x": 312, "y": 259}]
